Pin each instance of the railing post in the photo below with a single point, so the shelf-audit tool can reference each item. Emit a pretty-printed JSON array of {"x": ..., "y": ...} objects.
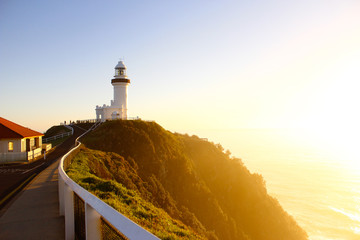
[
  {"x": 61, "y": 196},
  {"x": 93, "y": 225},
  {"x": 69, "y": 213}
]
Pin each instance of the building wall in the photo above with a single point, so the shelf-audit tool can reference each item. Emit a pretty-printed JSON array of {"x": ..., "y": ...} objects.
[
  {"x": 20, "y": 144},
  {"x": 4, "y": 145},
  {"x": 106, "y": 113},
  {"x": 19, "y": 149}
]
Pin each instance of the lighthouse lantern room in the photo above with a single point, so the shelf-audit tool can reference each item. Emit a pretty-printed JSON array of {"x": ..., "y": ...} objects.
[{"x": 118, "y": 106}]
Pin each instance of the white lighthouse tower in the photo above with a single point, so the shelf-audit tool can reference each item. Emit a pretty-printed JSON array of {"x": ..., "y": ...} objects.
[{"x": 118, "y": 106}]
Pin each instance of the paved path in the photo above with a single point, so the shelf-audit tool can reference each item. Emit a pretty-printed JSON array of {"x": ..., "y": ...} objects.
[
  {"x": 13, "y": 176},
  {"x": 35, "y": 212}
]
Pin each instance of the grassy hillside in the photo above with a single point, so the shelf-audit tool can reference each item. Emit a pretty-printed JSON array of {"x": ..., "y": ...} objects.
[
  {"x": 115, "y": 181},
  {"x": 192, "y": 180},
  {"x": 56, "y": 130}
]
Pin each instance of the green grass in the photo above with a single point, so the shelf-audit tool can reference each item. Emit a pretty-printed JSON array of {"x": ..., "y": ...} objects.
[{"x": 85, "y": 167}]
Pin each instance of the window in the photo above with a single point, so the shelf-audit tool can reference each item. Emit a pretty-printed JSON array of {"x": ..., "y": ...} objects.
[
  {"x": 11, "y": 146},
  {"x": 121, "y": 72}
]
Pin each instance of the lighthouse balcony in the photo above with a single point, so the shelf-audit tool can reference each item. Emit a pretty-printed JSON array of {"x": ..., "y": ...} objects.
[{"x": 120, "y": 80}]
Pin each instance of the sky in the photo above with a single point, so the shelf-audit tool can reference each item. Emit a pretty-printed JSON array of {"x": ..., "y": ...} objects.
[{"x": 193, "y": 65}]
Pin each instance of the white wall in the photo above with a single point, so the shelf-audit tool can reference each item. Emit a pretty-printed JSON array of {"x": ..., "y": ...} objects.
[
  {"x": 4, "y": 144},
  {"x": 120, "y": 94},
  {"x": 19, "y": 151},
  {"x": 13, "y": 157},
  {"x": 19, "y": 144},
  {"x": 104, "y": 113}
]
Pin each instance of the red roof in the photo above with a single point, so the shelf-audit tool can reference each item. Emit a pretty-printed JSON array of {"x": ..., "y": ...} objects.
[{"x": 10, "y": 129}]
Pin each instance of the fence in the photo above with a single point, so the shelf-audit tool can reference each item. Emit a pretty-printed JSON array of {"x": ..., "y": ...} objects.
[
  {"x": 34, "y": 154},
  {"x": 107, "y": 119},
  {"x": 70, "y": 128},
  {"x": 85, "y": 121},
  {"x": 93, "y": 120},
  {"x": 46, "y": 147},
  {"x": 86, "y": 216},
  {"x": 20, "y": 156},
  {"x": 45, "y": 140},
  {"x": 13, "y": 157}
]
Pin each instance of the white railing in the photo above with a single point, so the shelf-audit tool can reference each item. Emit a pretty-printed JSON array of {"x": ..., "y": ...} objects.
[
  {"x": 95, "y": 209},
  {"x": 45, "y": 140},
  {"x": 108, "y": 119},
  {"x": 70, "y": 128},
  {"x": 20, "y": 156},
  {"x": 34, "y": 153},
  {"x": 46, "y": 147}
]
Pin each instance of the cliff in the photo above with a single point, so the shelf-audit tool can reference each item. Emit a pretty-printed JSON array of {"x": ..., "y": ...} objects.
[{"x": 205, "y": 192}]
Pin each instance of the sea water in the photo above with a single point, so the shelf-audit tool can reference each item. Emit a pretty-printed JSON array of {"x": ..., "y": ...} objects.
[{"x": 318, "y": 184}]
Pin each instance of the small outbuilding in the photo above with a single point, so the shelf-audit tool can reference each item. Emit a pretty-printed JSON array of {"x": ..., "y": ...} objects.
[{"x": 18, "y": 143}]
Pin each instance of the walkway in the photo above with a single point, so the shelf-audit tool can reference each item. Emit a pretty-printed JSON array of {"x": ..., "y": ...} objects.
[{"x": 35, "y": 212}]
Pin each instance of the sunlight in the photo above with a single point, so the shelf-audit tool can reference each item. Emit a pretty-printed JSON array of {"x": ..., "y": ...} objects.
[
  {"x": 340, "y": 144},
  {"x": 329, "y": 118}
]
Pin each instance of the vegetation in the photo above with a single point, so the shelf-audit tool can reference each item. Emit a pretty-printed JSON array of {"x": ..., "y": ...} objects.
[
  {"x": 58, "y": 141},
  {"x": 97, "y": 172},
  {"x": 84, "y": 125},
  {"x": 194, "y": 181},
  {"x": 56, "y": 130}
]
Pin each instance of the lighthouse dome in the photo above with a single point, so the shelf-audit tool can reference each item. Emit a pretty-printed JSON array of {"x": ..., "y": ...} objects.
[
  {"x": 120, "y": 65},
  {"x": 120, "y": 74}
]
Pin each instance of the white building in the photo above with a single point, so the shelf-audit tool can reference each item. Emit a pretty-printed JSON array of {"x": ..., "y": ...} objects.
[
  {"x": 118, "y": 106},
  {"x": 18, "y": 143}
]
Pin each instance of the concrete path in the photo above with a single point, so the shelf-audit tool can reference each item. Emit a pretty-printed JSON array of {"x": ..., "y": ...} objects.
[{"x": 34, "y": 214}]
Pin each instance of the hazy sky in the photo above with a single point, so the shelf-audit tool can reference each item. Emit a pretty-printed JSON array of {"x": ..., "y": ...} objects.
[{"x": 192, "y": 64}]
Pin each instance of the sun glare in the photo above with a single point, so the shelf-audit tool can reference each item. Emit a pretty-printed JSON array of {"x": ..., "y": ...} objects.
[{"x": 339, "y": 144}]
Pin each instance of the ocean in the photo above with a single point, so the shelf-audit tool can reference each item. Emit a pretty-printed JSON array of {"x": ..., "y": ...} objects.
[{"x": 315, "y": 177}]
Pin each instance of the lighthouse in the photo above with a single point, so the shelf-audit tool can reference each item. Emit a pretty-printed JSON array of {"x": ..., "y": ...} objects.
[{"x": 118, "y": 107}]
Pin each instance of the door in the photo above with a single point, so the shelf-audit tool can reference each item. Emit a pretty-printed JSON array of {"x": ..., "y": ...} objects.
[{"x": 27, "y": 144}]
